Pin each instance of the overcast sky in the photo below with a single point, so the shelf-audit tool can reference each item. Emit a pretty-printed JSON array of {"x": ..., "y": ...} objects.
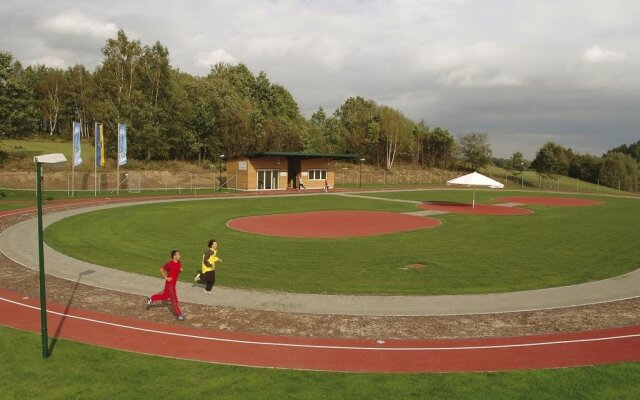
[{"x": 525, "y": 72}]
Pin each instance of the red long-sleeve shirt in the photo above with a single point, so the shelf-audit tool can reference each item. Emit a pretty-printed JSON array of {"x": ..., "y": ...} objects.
[{"x": 173, "y": 270}]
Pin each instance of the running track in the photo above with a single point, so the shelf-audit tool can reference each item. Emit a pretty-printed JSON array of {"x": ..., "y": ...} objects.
[{"x": 493, "y": 354}]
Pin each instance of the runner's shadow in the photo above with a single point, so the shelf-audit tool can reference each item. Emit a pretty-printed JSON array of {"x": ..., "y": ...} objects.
[{"x": 54, "y": 340}]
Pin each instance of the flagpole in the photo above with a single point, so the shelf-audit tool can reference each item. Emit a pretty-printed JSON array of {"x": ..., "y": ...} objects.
[
  {"x": 95, "y": 161},
  {"x": 118, "y": 162},
  {"x": 73, "y": 163}
]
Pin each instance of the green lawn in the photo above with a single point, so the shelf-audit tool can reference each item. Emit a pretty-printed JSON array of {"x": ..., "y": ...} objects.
[
  {"x": 468, "y": 254},
  {"x": 30, "y": 148},
  {"x": 77, "y": 371}
]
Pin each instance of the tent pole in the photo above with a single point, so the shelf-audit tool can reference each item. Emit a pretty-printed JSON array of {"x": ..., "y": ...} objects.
[{"x": 473, "y": 203}]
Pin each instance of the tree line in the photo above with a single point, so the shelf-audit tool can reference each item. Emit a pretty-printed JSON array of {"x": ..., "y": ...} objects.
[
  {"x": 618, "y": 168},
  {"x": 173, "y": 115}
]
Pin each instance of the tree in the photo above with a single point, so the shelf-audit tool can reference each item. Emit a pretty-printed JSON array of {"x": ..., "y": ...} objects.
[
  {"x": 419, "y": 135},
  {"x": 155, "y": 71},
  {"x": 620, "y": 170},
  {"x": 559, "y": 158},
  {"x": 81, "y": 91},
  {"x": 119, "y": 99},
  {"x": 202, "y": 123},
  {"x": 395, "y": 131},
  {"x": 544, "y": 163},
  {"x": 361, "y": 119},
  {"x": 17, "y": 99},
  {"x": 440, "y": 148},
  {"x": 476, "y": 150},
  {"x": 53, "y": 89},
  {"x": 516, "y": 164},
  {"x": 585, "y": 167},
  {"x": 633, "y": 150}
]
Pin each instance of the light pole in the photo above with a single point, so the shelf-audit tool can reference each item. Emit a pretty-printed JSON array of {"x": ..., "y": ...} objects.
[
  {"x": 521, "y": 175},
  {"x": 360, "y": 175},
  {"x": 220, "y": 169},
  {"x": 40, "y": 160}
]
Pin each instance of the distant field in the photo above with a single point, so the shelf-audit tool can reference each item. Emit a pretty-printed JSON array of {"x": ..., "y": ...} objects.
[{"x": 555, "y": 246}]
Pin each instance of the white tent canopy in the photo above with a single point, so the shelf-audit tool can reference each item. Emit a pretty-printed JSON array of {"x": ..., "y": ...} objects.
[{"x": 475, "y": 179}]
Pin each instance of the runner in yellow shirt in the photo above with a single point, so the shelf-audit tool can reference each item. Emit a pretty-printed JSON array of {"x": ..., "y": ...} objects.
[{"x": 208, "y": 270}]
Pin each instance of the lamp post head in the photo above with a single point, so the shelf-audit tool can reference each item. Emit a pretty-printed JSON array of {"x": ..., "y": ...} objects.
[{"x": 54, "y": 158}]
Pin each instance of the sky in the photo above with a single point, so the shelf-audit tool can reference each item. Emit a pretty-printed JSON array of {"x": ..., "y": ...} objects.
[{"x": 524, "y": 72}]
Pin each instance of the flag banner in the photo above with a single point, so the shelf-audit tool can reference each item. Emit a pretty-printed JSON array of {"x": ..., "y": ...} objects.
[
  {"x": 77, "y": 159},
  {"x": 99, "y": 146},
  {"x": 122, "y": 144}
]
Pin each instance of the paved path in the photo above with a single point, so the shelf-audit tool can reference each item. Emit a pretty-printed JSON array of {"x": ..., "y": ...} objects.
[{"x": 19, "y": 243}]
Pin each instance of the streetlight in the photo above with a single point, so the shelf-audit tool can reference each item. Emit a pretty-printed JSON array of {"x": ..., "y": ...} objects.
[
  {"x": 360, "y": 175},
  {"x": 40, "y": 160},
  {"x": 522, "y": 175},
  {"x": 221, "y": 160}
]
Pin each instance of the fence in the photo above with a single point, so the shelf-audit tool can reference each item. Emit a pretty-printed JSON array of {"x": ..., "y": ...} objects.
[
  {"x": 368, "y": 177},
  {"x": 105, "y": 183},
  {"x": 108, "y": 182}
]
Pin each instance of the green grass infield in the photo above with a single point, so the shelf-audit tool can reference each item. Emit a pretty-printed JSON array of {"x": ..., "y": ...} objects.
[{"x": 554, "y": 246}]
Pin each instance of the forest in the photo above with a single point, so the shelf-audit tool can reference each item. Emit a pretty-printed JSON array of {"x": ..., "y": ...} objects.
[{"x": 174, "y": 115}]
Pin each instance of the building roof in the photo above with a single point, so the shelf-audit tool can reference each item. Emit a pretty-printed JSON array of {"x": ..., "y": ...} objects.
[{"x": 289, "y": 154}]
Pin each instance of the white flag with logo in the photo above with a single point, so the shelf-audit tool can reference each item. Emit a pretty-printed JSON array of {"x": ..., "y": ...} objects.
[
  {"x": 77, "y": 159},
  {"x": 122, "y": 144}
]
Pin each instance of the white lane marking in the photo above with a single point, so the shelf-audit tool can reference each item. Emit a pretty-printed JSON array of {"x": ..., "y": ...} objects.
[{"x": 325, "y": 347}]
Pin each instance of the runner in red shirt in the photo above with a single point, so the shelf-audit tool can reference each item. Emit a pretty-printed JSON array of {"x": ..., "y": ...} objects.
[{"x": 170, "y": 271}]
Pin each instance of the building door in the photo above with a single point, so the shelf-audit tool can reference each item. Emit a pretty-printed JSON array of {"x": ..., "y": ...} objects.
[
  {"x": 268, "y": 179},
  {"x": 294, "y": 172}
]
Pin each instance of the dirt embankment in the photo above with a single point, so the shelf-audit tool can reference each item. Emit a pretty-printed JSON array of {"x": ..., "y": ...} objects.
[
  {"x": 62, "y": 180},
  {"x": 196, "y": 178}
]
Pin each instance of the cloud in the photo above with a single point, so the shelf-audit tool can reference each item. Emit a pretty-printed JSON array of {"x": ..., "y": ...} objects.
[
  {"x": 214, "y": 57},
  {"x": 448, "y": 55},
  {"x": 474, "y": 76},
  {"x": 49, "y": 61},
  {"x": 598, "y": 55},
  {"x": 76, "y": 23}
]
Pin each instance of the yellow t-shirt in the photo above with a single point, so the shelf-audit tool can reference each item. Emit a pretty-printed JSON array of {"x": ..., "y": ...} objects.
[{"x": 209, "y": 260}]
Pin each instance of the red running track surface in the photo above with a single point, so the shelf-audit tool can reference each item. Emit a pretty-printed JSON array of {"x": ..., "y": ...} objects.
[
  {"x": 332, "y": 224},
  {"x": 548, "y": 201},
  {"x": 479, "y": 209},
  {"x": 489, "y": 354}
]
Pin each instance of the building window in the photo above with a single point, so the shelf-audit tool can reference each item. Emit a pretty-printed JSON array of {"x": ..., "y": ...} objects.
[
  {"x": 317, "y": 174},
  {"x": 268, "y": 179}
]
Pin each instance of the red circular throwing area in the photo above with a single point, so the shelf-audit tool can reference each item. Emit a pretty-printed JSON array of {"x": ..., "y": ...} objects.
[
  {"x": 549, "y": 201},
  {"x": 479, "y": 209},
  {"x": 332, "y": 224}
]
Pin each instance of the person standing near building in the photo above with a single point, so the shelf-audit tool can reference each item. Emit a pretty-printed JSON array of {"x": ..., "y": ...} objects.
[
  {"x": 208, "y": 269},
  {"x": 170, "y": 271},
  {"x": 301, "y": 183}
]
